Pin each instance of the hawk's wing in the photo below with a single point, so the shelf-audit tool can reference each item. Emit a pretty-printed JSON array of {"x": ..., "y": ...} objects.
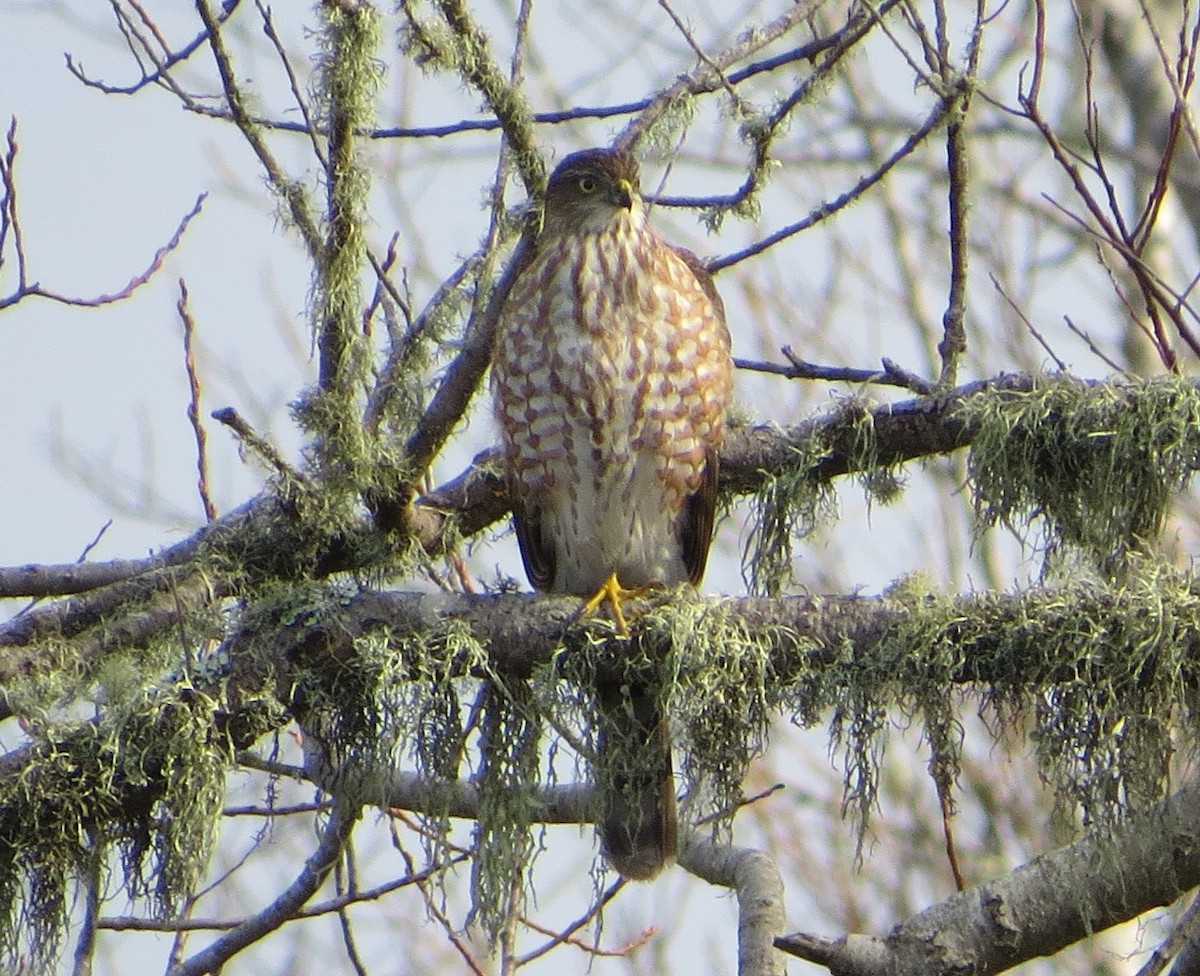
[
  {"x": 696, "y": 528},
  {"x": 537, "y": 552},
  {"x": 699, "y": 512}
]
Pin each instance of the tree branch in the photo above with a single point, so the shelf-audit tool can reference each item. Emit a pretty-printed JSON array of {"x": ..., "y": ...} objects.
[
  {"x": 755, "y": 878},
  {"x": 283, "y": 908},
  {"x": 1042, "y": 907}
]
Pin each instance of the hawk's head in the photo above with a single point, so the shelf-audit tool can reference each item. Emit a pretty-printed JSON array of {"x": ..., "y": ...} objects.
[{"x": 590, "y": 189}]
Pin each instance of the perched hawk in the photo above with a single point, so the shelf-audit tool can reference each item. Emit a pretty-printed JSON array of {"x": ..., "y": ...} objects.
[{"x": 611, "y": 379}]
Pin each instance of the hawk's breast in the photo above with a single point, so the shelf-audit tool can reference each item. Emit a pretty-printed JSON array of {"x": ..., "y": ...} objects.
[{"x": 611, "y": 379}]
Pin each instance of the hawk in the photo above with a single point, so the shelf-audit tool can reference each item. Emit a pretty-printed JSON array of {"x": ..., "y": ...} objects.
[{"x": 611, "y": 378}]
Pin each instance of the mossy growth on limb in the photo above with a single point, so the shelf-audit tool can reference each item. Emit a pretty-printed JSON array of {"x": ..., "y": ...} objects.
[
  {"x": 1091, "y": 467},
  {"x": 146, "y": 779},
  {"x": 795, "y": 503}
]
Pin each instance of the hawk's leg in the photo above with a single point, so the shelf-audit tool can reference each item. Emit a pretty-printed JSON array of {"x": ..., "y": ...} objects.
[{"x": 612, "y": 592}]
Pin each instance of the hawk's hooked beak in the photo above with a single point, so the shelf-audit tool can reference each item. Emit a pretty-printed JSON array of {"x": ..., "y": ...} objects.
[{"x": 623, "y": 194}]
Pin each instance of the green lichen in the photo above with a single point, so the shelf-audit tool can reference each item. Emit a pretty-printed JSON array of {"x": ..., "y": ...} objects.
[
  {"x": 722, "y": 694},
  {"x": 792, "y": 504},
  {"x": 503, "y": 845},
  {"x": 1102, "y": 679},
  {"x": 712, "y": 678},
  {"x": 145, "y": 780},
  {"x": 1089, "y": 467}
]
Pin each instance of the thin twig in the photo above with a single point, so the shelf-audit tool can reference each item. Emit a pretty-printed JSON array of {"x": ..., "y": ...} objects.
[
  {"x": 337, "y": 829},
  {"x": 9, "y": 212},
  {"x": 1020, "y": 313},
  {"x": 1096, "y": 350},
  {"x": 452, "y": 933},
  {"x": 346, "y": 879},
  {"x": 943, "y": 785},
  {"x": 797, "y": 368},
  {"x": 1184, "y": 933},
  {"x": 717, "y": 70},
  {"x": 565, "y": 937},
  {"x": 161, "y": 75},
  {"x": 310, "y": 125},
  {"x": 915, "y": 138},
  {"x": 802, "y": 52},
  {"x": 137, "y": 281},
  {"x": 954, "y": 335},
  {"x": 193, "y": 410},
  {"x": 85, "y": 946},
  {"x": 567, "y": 933},
  {"x": 290, "y": 191}
]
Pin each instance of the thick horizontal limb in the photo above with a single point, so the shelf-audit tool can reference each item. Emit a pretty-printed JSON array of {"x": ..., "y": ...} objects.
[{"x": 1039, "y": 909}]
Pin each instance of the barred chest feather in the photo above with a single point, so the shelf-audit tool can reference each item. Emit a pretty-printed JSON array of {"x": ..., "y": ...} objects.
[{"x": 610, "y": 383}]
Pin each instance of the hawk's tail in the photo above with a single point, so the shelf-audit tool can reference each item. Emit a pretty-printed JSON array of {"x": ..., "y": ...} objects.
[{"x": 638, "y": 826}]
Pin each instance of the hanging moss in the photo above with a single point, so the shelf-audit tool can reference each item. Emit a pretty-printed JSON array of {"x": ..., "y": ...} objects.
[
  {"x": 1103, "y": 678},
  {"x": 791, "y": 505},
  {"x": 503, "y": 847},
  {"x": 145, "y": 780},
  {"x": 1090, "y": 466},
  {"x": 714, "y": 681},
  {"x": 719, "y": 695}
]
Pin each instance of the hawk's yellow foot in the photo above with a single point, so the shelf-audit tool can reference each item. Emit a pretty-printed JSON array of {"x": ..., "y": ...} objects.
[{"x": 612, "y": 591}]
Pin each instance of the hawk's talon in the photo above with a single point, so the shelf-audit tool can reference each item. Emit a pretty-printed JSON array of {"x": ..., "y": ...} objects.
[{"x": 612, "y": 591}]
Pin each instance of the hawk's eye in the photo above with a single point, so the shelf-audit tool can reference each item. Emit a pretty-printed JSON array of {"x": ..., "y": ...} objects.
[{"x": 587, "y": 184}]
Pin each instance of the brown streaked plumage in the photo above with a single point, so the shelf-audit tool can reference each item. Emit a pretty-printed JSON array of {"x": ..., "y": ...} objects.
[{"x": 611, "y": 380}]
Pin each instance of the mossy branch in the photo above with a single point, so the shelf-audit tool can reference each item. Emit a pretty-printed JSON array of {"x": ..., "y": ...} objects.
[
  {"x": 1037, "y": 910},
  {"x": 346, "y": 82},
  {"x": 463, "y": 47},
  {"x": 1113, "y": 661},
  {"x": 1022, "y": 424}
]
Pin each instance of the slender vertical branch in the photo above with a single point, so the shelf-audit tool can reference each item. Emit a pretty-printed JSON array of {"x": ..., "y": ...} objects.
[
  {"x": 10, "y": 222},
  {"x": 954, "y": 334},
  {"x": 316, "y": 869},
  {"x": 85, "y": 945},
  {"x": 193, "y": 410},
  {"x": 348, "y": 81},
  {"x": 292, "y": 192}
]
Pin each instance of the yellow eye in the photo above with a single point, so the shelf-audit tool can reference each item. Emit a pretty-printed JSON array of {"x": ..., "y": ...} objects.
[{"x": 587, "y": 184}]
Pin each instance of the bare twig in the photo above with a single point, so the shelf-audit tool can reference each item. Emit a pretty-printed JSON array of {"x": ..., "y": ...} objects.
[
  {"x": 760, "y": 133},
  {"x": 433, "y": 907},
  {"x": 310, "y": 125},
  {"x": 915, "y": 138},
  {"x": 1020, "y": 313},
  {"x": 193, "y": 411},
  {"x": 802, "y": 52},
  {"x": 1107, "y": 216},
  {"x": 161, "y": 74},
  {"x": 316, "y": 869},
  {"x": 1094, "y": 349},
  {"x": 566, "y": 935},
  {"x": 290, "y": 191},
  {"x": 10, "y": 217},
  {"x": 796, "y": 368},
  {"x": 717, "y": 71},
  {"x": 1183, "y": 935},
  {"x": 29, "y": 290}
]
